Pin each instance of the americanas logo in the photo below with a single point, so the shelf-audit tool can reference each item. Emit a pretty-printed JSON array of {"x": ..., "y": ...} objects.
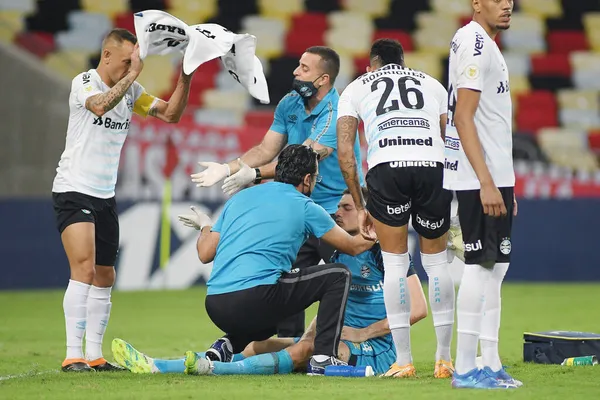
[{"x": 452, "y": 143}]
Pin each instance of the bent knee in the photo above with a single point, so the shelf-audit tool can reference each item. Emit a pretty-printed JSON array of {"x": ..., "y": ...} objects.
[
  {"x": 105, "y": 276},
  {"x": 343, "y": 352},
  {"x": 84, "y": 272},
  {"x": 341, "y": 269},
  {"x": 340, "y": 265},
  {"x": 419, "y": 314},
  {"x": 82, "y": 265}
]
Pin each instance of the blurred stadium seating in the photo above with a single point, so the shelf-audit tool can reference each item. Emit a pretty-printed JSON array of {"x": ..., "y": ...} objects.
[{"x": 552, "y": 50}]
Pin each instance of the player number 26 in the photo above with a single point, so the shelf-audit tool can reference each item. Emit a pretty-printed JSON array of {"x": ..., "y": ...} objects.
[{"x": 416, "y": 103}]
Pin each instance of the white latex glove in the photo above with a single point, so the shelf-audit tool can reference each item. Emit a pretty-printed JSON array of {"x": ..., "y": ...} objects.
[
  {"x": 455, "y": 241},
  {"x": 239, "y": 180},
  {"x": 213, "y": 173},
  {"x": 197, "y": 220}
]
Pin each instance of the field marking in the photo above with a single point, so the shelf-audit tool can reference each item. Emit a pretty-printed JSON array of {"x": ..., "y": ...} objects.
[{"x": 28, "y": 374}]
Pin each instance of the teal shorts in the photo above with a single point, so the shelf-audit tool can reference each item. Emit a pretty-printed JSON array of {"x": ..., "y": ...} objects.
[{"x": 378, "y": 353}]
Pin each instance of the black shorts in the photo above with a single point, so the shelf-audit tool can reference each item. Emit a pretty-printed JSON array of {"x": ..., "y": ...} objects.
[
  {"x": 399, "y": 190},
  {"x": 253, "y": 314},
  {"x": 311, "y": 253},
  {"x": 73, "y": 207},
  {"x": 486, "y": 238}
]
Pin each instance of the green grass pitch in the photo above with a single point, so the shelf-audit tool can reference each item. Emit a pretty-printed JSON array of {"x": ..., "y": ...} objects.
[{"x": 167, "y": 323}]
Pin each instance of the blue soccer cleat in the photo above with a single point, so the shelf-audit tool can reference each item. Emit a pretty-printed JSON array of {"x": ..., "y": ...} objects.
[
  {"x": 478, "y": 379},
  {"x": 221, "y": 350},
  {"x": 503, "y": 376}
]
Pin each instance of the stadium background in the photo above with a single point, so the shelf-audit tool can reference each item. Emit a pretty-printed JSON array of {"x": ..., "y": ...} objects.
[{"x": 552, "y": 51}]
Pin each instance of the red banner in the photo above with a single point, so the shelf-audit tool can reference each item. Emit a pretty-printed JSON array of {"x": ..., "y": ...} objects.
[
  {"x": 154, "y": 148},
  {"x": 535, "y": 187}
]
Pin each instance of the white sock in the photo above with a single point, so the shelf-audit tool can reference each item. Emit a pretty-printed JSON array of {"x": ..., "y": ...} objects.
[
  {"x": 441, "y": 301},
  {"x": 98, "y": 312},
  {"x": 490, "y": 324},
  {"x": 397, "y": 303},
  {"x": 75, "y": 306},
  {"x": 470, "y": 314}
]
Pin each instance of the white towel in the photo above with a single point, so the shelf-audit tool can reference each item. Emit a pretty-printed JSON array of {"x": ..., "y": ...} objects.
[
  {"x": 161, "y": 33},
  {"x": 237, "y": 52}
]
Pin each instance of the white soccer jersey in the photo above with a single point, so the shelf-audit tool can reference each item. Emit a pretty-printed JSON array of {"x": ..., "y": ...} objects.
[
  {"x": 476, "y": 63},
  {"x": 401, "y": 109},
  {"x": 90, "y": 161}
]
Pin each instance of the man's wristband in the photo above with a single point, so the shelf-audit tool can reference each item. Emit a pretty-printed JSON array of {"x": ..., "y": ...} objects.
[{"x": 258, "y": 178}]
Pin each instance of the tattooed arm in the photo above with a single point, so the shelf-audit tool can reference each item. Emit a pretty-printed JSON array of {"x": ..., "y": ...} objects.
[
  {"x": 322, "y": 150},
  {"x": 346, "y": 136},
  {"x": 172, "y": 110},
  {"x": 101, "y": 103}
]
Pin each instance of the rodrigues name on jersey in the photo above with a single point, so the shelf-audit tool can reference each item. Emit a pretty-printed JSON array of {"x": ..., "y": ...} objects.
[{"x": 401, "y": 110}]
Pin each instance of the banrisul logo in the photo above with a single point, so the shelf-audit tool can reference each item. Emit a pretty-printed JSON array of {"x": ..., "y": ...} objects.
[
  {"x": 109, "y": 123},
  {"x": 473, "y": 246}
]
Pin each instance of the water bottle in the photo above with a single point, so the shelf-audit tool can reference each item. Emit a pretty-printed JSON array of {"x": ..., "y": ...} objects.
[
  {"x": 587, "y": 360},
  {"x": 349, "y": 371}
]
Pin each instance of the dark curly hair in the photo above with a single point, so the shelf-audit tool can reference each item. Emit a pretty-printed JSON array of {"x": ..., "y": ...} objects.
[
  {"x": 295, "y": 161},
  {"x": 387, "y": 51}
]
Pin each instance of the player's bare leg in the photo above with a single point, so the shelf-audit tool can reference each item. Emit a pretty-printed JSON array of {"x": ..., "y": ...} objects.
[
  {"x": 79, "y": 243},
  {"x": 267, "y": 346},
  {"x": 307, "y": 345},
  {"x": 284, "y": 361},
  {"x": 344, "y": 352},
  {"x": 396, "y": 293},
  {"x": 418, "y": 304},
  {"x": 441, "y": 300}
]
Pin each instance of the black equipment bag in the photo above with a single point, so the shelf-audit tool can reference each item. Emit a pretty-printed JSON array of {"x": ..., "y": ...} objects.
[{"x": 554, "y": 347}]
